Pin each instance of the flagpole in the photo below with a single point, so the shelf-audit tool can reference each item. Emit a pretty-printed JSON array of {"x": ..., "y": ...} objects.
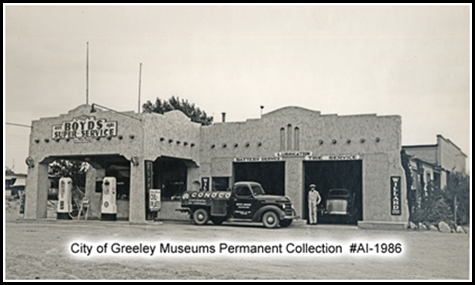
[
  {"x": 87, "y": 74},
  {"x": 140, "y": 82}
]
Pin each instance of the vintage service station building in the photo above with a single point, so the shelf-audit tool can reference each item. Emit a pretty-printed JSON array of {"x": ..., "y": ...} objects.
[{"x": 285, "y": 150}]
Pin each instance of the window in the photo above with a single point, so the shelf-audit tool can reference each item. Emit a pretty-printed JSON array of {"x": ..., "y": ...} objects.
[
  {"x": 257, "y": 190},
  {"x": 220, "y": 183},
  {"x": 243, "y": 191},
  {"x": 296, "y": 138},
  {"x": 289, "y": 137},
  {"x": 282, "y": 139}
]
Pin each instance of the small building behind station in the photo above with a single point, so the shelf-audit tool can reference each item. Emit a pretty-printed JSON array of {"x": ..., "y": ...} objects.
[{"x": 433, "y": 164}]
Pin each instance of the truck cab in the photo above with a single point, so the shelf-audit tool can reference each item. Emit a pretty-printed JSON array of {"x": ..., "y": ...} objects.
[{"x": 247, "y": 202}]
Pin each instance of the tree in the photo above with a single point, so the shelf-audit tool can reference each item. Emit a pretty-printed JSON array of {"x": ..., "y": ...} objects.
[
  {"x": 410, "y": 195},
  {"x": 8, "y": 171},
  {"x": 76, "y": 170},
  {"x": 174, "y": 103},
  {"x": 458, "y": 186}
]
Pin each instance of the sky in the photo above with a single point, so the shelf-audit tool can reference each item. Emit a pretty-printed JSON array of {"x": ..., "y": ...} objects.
[{"x": 412, "y": 61}]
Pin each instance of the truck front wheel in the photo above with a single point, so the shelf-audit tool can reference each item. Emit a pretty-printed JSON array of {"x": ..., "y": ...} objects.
[
  {"x": 270, "y": 219},
  {"x": 200, "y": 217}
]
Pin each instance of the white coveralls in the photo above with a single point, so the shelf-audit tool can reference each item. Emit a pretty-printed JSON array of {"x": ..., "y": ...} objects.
[{"x": 313, "y": 200}]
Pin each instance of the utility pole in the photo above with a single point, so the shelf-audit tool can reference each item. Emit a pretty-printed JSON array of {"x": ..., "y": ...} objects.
[
  {"x": 455, "y": 209},
  {"x": 140, "y": 82}
]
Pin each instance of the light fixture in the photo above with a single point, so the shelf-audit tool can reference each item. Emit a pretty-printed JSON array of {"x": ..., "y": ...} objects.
[{"x": 93, "y": 110}]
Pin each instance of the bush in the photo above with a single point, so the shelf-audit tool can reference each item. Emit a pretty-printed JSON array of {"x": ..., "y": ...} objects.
[
  {"x": 459, "y": 186},
  {"x": 438, "y": 205},
  {"x": 433, "y": 210}
]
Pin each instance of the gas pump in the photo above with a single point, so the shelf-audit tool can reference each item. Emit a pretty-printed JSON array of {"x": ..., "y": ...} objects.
[
  {"x": 109, "y": 192},
  {"x": 64, "y": 198}
]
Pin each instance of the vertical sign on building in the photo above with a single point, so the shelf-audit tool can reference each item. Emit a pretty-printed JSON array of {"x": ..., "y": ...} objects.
[
  {"x": 205, "y": 183},
  {"x": 395, "y": 195},
  {"x": 155, "y": 200},
  {"x": 148, "y": 174},
  {"x": 148, "y": 186}
]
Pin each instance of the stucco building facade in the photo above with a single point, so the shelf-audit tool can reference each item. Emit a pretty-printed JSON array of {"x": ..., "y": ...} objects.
[{"x": 285, "y": 150}]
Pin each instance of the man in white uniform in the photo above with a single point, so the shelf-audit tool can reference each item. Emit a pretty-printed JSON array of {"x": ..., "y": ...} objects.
[{"x": 314, "y": 199}]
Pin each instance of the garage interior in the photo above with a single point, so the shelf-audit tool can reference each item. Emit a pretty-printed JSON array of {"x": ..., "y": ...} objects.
[
  {"x": 271, "y": 175},
  {"x": 327, "y": 175}
]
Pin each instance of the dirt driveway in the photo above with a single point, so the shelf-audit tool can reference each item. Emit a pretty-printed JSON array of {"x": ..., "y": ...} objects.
[{"x": 42, "y": 250}]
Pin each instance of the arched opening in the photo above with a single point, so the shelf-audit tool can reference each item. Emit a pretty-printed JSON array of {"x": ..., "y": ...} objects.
[
  {"x": 87, "y": 174},
  {"x": 296, "y": 138},
  {"x": 282, "y": 139},
  {"x": 289, "y": 137}
]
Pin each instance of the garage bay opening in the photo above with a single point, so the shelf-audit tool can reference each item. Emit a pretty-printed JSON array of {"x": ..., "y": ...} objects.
[
  {"x": 271, "y": 175},
  {"x": 340, "y": 186}
]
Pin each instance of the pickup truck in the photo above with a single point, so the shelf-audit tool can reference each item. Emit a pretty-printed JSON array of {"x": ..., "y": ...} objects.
[{"x": 247, "y": 202}]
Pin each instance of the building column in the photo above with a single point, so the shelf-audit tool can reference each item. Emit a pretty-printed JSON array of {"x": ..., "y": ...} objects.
[
  {"x": 137, "y": 191},
  {"x": 94, "y": 197},
  {"x": 36, "y": 191},
  {"x": 294, "y": 183}
]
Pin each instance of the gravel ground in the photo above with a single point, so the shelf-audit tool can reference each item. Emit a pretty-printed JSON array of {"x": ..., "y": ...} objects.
[{"x": 41, "y": 250}]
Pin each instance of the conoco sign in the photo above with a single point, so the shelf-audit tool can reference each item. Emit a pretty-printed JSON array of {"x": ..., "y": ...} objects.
[{"x": 84, "y": 128}]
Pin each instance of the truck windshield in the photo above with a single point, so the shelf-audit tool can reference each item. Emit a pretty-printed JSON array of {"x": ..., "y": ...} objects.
[{"x": 257, "y": 190}]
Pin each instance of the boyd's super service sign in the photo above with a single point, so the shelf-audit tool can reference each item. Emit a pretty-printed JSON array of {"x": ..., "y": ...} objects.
[{"x": 84, "y": 129}]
